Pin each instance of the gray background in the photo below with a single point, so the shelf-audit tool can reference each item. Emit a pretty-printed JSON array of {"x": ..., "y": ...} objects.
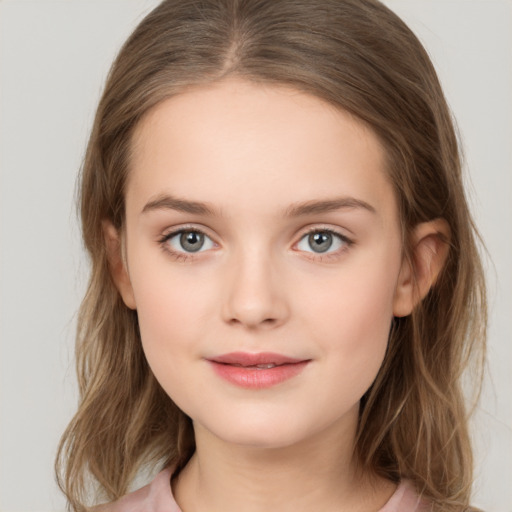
[{"x": 54, "y": 56}]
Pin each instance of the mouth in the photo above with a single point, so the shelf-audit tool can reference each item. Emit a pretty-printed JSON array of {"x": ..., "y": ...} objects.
[{"x": 257, "y": 371}]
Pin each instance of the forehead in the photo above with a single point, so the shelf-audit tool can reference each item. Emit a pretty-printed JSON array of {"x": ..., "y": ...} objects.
[{"x": 235, "y": 139}]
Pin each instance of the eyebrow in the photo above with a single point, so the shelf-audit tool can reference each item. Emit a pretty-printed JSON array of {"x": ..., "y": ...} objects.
[
  {"x": 167, "y": 202},
  {"x": 327, "y": 205}
]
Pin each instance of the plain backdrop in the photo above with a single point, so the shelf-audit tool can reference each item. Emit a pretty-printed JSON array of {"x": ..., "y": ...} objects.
[{"x": 54, "y": 56}]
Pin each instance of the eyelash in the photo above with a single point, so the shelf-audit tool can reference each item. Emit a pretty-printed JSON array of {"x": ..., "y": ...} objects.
[
  {"x": 184, "y": 256},
  {"x": 347, "y": 243},
  {"x": 177, "y": 255}
]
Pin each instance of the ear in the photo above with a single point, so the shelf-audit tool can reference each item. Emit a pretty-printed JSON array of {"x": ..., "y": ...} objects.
[
  {"x": 430, "y": 246},
  {"x": 117, "y": 264}
]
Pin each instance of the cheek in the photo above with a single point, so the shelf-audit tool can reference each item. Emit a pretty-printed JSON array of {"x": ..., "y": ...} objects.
[
  {"x": 351, "y": 315},
  {"x": 169, "y": 328},
  {"x": 168, "y": 307},
  {"x": 176, "y": 308}
]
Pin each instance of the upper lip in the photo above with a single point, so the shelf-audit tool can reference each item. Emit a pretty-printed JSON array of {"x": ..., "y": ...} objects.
[{"x": 249, "y": 359}]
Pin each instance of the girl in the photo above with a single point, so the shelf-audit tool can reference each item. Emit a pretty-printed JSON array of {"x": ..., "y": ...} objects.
[{"x": 285, "y": 285}]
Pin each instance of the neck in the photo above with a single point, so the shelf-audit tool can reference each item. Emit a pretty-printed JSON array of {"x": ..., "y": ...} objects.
[{"x": 318, "y": 473}]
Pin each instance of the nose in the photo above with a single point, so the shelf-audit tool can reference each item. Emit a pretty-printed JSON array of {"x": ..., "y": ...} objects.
[{"x": 255, "y": 294}]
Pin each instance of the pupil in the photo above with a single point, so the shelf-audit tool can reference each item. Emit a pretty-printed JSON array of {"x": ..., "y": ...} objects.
[
  {"x": 320, "y": 242},
  {"x": 192, "y": 241}
]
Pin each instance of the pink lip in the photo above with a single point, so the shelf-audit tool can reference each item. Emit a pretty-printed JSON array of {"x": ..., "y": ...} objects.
[{"x": 241, "y": 368}]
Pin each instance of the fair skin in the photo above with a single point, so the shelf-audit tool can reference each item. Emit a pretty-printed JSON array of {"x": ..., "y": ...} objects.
[{"x": 294, "y": 248}]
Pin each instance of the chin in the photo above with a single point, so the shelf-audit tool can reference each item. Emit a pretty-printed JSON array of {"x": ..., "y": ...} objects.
[
  {"x": 260, "y": 432},
  {"x": 261, "y": 440}
]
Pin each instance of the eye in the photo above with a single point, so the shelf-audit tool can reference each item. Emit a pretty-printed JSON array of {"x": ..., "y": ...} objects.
[
  {"x": 322, "y": 241},
  {"x": 188, "y": 241}
]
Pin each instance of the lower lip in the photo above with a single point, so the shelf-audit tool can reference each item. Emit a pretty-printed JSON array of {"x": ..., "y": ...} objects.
[{"x": 253, "y": 378}]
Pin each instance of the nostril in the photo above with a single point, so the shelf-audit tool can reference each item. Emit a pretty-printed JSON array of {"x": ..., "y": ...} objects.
[{"x": 253, "y": 323}]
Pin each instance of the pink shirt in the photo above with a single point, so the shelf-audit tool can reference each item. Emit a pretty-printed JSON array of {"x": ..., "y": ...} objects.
[{"x": 157, "y": 497}]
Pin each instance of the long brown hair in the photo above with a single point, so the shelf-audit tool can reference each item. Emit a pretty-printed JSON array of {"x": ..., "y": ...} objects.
[{"x": 360, "y": 57}]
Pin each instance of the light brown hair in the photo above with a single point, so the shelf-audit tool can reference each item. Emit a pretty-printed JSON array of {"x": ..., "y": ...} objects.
[{"x": 360, "y": 57}]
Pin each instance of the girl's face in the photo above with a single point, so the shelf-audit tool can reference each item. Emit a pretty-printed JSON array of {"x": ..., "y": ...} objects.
[{"x": 264, "y": 259}]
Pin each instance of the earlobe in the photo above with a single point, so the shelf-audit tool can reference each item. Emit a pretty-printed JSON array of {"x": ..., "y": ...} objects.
[
  {"x": 117, "y": 264},
  {"x": 430, "y": 246}
]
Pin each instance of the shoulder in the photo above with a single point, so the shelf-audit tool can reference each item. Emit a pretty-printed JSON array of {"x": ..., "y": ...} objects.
[
  {"x": 154, "y": 497},
  {"x": 406, "y": 499}
]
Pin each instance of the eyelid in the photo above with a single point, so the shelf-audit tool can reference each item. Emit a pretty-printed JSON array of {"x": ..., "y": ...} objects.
[
  {"x": 347, "y": 242},
  {"x": 176, "y": 230},
  {"x": 323, "y": 228},
  {"x": 173, "y": 230},
  {"x": 183, "y": 255}
]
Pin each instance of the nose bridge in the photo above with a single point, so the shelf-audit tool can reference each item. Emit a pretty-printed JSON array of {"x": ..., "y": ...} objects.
[{"x": 255, "y": 295}]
